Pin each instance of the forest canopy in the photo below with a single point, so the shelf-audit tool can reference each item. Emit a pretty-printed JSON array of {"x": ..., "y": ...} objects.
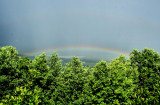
[{"x": 44, "y": 80}]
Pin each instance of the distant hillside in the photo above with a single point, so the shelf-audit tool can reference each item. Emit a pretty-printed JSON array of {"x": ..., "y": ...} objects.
[{"x": 87, "y": 61}]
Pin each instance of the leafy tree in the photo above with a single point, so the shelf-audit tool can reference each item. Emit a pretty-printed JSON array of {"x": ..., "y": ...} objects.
[
  {"x": 39, "y": 70},
  {"x": 148, "y": 64},
  {"x": 45, "y": 81},
  {"x": 52, "y": 79},
  {"x": 72, "y": 83},
  {"x": 8, "y": 70},
  {"x": 94, "y": 90},
  {"x": 112, "y": 83},
  {"x": 88, "y": 73},
  {"x": 24, "y": 67},
  {"x": 40, "y": 65},
  {"x": 55, "y": 64},
  {"x": 122, "y": 78}
]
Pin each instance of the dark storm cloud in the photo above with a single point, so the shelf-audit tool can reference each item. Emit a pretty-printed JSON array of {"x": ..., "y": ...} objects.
[{"x": 37, "y": 24}]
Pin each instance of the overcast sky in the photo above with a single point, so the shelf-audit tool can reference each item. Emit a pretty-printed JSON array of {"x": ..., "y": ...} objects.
[{"x": 117, "y": 24}]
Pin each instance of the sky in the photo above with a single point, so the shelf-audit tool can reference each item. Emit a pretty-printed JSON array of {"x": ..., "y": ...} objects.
[{"x": 121, "y": 25}]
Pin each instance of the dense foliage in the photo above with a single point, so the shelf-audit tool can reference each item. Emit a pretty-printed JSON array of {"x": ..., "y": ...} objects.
[{"x": 44, "y": 80}]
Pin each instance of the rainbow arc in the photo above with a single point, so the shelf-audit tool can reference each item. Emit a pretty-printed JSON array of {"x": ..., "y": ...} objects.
[{"x": 77, "y": 48}]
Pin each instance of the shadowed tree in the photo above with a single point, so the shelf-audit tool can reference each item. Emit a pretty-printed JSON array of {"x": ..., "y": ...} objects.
[
  {"x": 72, "y": 82},
  {"x": 148, "y": 64},
  {"x": 40, "y": 66},
  {"x": 112, "y": 83},
  {"x": 8, "y": 70},
  {"x": 52, "y": 80}
]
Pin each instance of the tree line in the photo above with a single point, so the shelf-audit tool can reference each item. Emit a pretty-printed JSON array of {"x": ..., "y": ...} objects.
[{"x": 43, "y": 80}]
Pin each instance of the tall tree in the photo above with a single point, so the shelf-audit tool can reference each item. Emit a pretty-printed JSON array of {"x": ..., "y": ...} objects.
[
  {"x": 122, "y": 77},
  {"x": 40, "y": 66},
  {"x": 112, "y": 83},
  {"x": 55, "y": 64},
  {"x": 73, "y": 81},
  {"x": 148, "y": 64},
  {"x": 24, "y": 67},
  {"x": 94, "y": 91},
  {"x": 8, "y": 70},
  {"x": 52, "y": 79}
]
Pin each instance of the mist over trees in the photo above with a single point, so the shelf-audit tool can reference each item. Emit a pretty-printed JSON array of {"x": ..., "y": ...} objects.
[{"x": 44, "y": 80}]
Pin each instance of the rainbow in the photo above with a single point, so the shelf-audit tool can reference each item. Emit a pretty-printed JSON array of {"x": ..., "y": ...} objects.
[{"x": 77, "y": 48}]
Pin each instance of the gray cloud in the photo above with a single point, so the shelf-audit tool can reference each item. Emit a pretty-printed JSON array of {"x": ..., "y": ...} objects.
[{"x": 31, "y": 25}]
